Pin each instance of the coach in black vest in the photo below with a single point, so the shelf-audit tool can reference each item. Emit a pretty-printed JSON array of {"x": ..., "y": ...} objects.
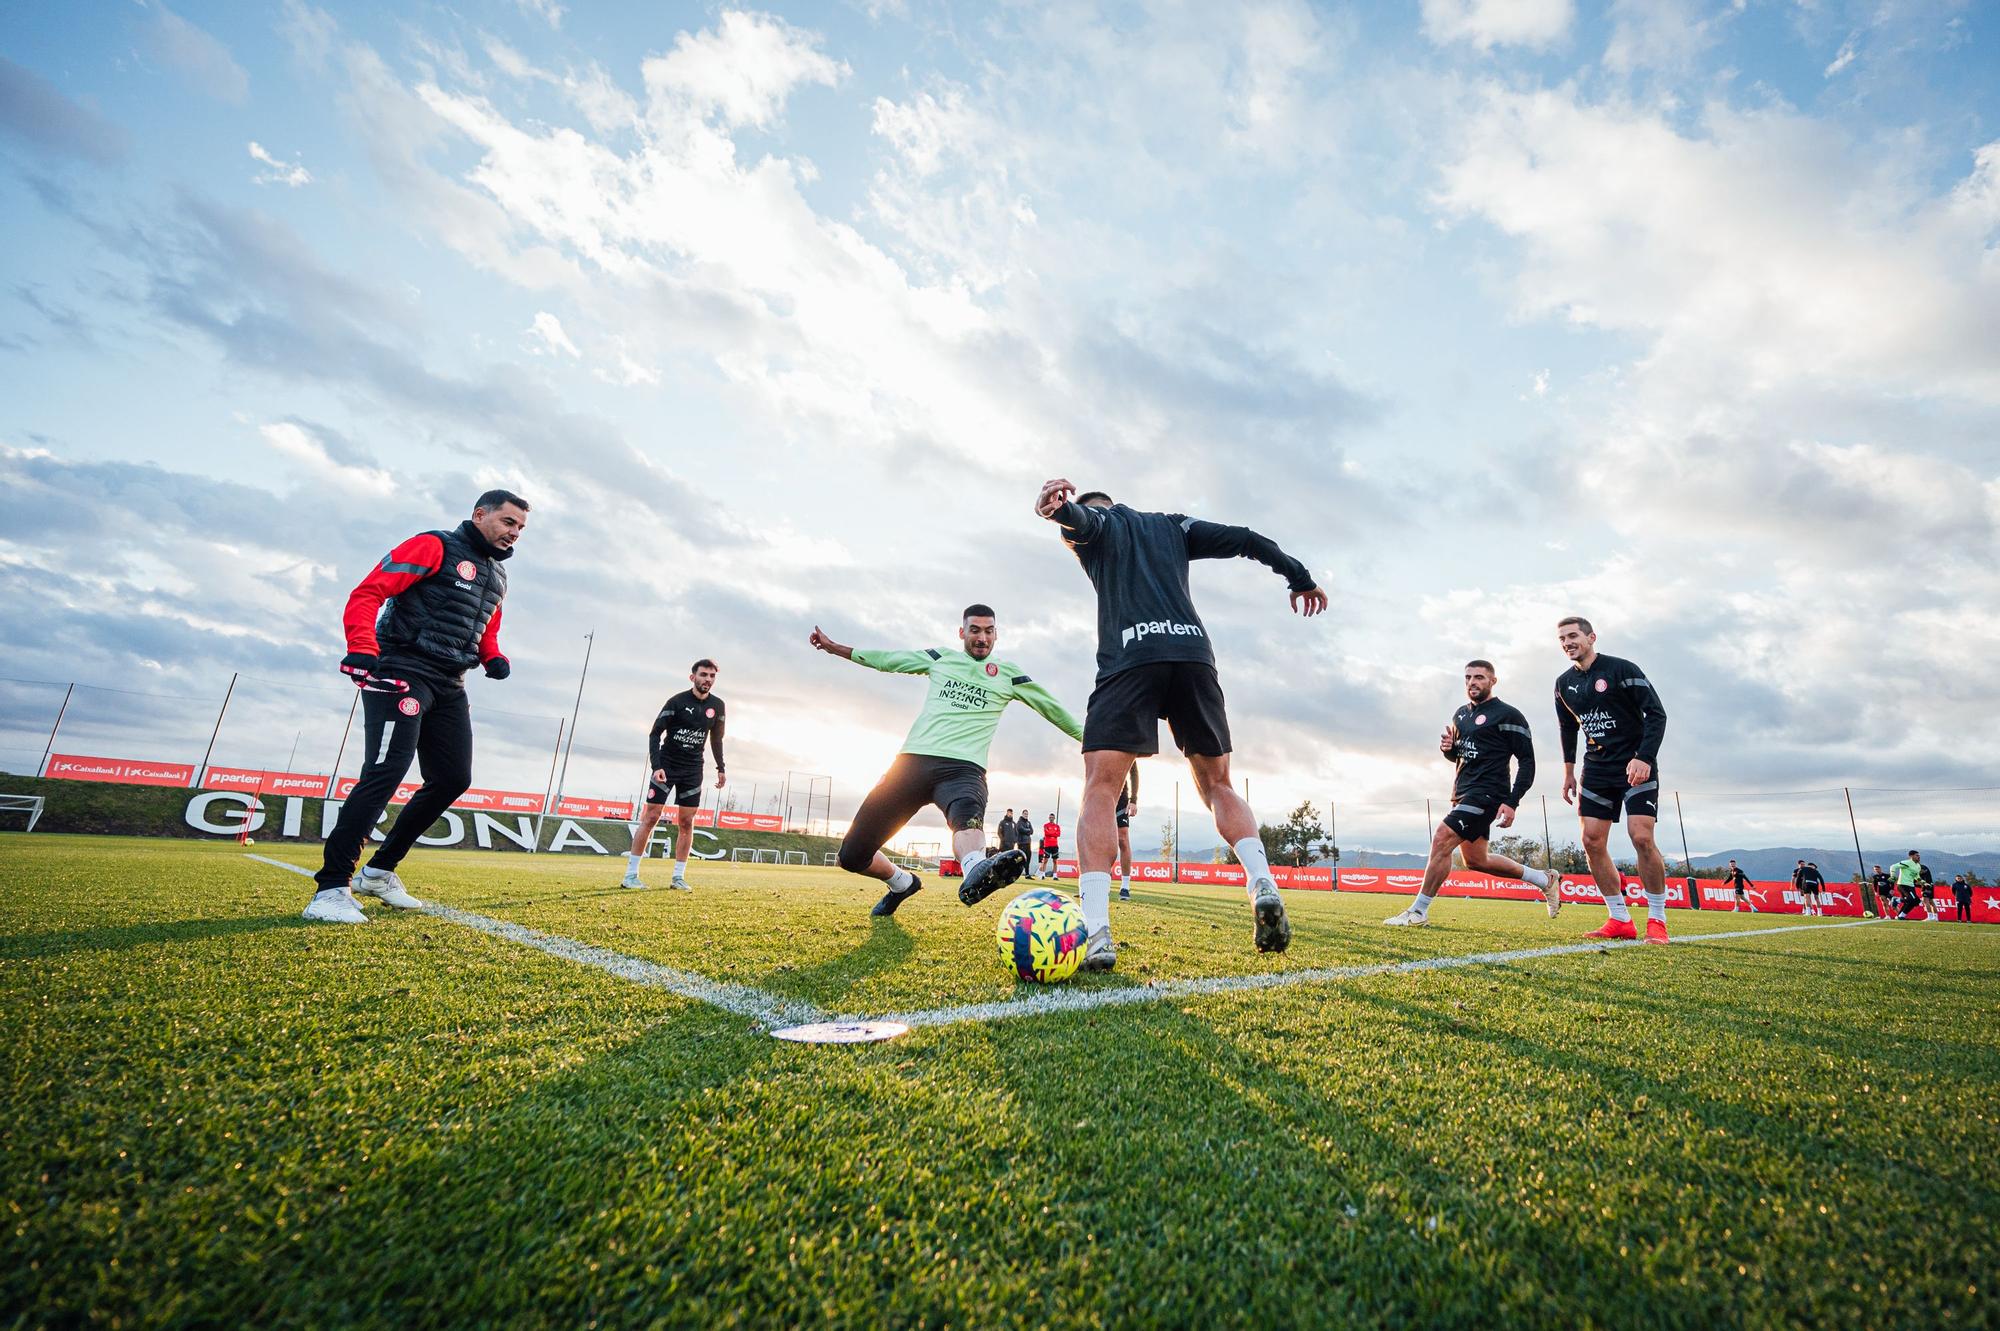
[{"x": 429, "y": 612}]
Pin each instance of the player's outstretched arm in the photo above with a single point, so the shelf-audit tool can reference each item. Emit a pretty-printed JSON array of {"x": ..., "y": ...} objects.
[
  {"x": 823, "y": 642},
  {"x": 1214, "y": 540},
  {"x": 1048, "y": 707},
  {"x": 1055, "y": 494}
]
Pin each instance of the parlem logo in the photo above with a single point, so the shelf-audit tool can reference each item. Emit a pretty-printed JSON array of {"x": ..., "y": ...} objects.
[
  {"x": 1153, "y": 628},
  {"x": 467, "y": 569},
  {"x": 409, "y": 707}
]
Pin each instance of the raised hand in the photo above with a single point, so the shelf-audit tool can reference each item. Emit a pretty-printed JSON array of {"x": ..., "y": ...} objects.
[{"x": 1054, "y": 495}]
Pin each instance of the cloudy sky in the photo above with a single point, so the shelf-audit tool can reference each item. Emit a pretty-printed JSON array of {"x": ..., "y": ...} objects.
[{"x": 1684, "y": 316}]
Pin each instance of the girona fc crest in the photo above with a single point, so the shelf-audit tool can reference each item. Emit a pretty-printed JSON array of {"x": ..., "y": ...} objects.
[
  {"x": 1603, "y": 684},
  {"x": 1479, "y": 720},
  {"x": 992, "y": 669},
  {"x": 409, "y": 707},
  {"x": 467, "y": 569},
  {"x": 711, "y": 713}
]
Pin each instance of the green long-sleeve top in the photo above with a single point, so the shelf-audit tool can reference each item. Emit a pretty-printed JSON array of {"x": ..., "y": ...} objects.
[{"x": 966, "y": 698}]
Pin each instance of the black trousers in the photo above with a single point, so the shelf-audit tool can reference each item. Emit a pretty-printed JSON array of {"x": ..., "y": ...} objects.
[
  {"x": 1964, "y": 903},
  {"x": 431, "y": 725}
]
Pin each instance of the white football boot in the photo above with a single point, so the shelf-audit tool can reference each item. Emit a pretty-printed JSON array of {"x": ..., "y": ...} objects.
[
  {"x": 680, "y": 882},
  {"x": 1411, "y": 917},
  {"x": 386, "y": 888},
  {"x": 334, "y": 905},
  {"x": 631, "y": 879},
  {"x": 1099, "y": 952}
]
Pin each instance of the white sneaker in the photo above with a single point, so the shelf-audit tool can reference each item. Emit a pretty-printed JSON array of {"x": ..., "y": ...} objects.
[
  {"x": 680, "y": 884},
  {"x": 386, "y": 888},
  {"x": 1410, "y": 917},
  {"x": 630, "y": 880},
  {"x": 334, "y": 905},
  {"x": 1099, "y": 952}
]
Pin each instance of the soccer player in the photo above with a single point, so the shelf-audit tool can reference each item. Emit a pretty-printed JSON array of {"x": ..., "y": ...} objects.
[
  {"x": 1880, "y": 880},
  {"x": 1154, "y": 661},
  {"x": 1908, "y": 873},
  {"x": 1811, "y": 883},
  {"x": 429, "y": 612},
  {"x": 1927, "y": 889},
  {"x": 1483, "y": 738},
  {"x": 1051, "y": 845},
  {"x": 689, "y": 722},
  {"x": 943, "y": 761},
  {"x": 1739, "y": 883},
  {"x": 1128, "y": 800},
  {"x": 1609, "y": 702}
]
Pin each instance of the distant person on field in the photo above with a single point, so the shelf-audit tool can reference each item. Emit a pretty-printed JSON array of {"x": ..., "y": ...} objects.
[
  {"x": 1908, "y": 872},
  {"x": 1927, "y": 889},
  {"x": 426, "y": 614},
  {"x": 1739, "y": 886},
  {"x": 1961, "y": 893},
  {"x": 1882, "y": 883},
  {"x": 1051, "y": 846}
]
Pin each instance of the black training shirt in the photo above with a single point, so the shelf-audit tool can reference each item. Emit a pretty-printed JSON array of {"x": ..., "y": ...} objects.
[
  {"x": 1489, "y": 734},
  {"x": 1614, "y": 705},
  {"x": 684, "y": 725},
  {"x": 1138, "y": 562}
]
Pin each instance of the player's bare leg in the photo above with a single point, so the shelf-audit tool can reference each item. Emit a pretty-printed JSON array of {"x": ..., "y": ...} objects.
[
  {"x": 642, "y": 836},
  {"x": 1096, "y": 842},
  {"x": 1438, "y": 868},
  {"x": 1238, "y": 825},
  {"x": 1124, "y": 863},
  {"x": 1652, "y": 875},
  {"x": 683, "y": 847},
  {"x": 1597, "y": 850}
]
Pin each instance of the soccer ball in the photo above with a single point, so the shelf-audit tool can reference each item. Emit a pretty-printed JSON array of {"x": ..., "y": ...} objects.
[{"x": 1041, "y": 936}]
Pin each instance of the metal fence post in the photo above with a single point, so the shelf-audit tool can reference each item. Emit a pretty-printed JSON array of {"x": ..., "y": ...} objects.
[
  {"x": 42, "y": 766},
  {"x": 210, "y": 752}
]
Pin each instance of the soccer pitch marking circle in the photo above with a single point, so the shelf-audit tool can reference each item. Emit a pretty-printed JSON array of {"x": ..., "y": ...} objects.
[
  {"x": 771, "y": 1011},
  {"x": 843, "y": 1032}
]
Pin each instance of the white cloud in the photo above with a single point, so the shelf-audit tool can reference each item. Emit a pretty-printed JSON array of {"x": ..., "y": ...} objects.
[
  {"x": 549, "y": 11},
  {"x": 1657, "y": 34},
  {"x": 1490, "y": 23},
  {"x": 276, "y": 172},
  {"x": 742, "y": 70},
  {"x": 549, "y": 338},
  {"x": 303, "y": 446},
  {"x": 1848, "y": 50}
]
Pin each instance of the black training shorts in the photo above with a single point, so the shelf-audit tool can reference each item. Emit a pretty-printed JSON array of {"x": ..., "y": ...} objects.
[
  {"x": 682, "y": 788},
  {"x": 956, "y": 787},
  {"x": 1472, "y": 814},
  {"x": 1125, "y": 711},
  {"x": 1604, "y": 794}
]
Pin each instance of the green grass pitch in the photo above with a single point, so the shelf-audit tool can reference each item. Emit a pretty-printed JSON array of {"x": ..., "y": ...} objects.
[{"x": 218, "y": 1114}]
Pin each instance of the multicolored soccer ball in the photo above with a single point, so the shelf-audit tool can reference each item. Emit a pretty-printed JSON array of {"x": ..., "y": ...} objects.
[{"x": 1041, "y": 936}]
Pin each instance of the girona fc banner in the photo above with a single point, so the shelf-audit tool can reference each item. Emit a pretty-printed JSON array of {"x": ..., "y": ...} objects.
[
  {"x": 1778, "y": 898},
  {"x": 122, "y": 771}
]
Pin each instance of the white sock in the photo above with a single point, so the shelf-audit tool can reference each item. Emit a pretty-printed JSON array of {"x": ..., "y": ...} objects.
[
  {"x": 680, "y": 868},
  {"x": 900, "y": 881},
  {"x": 1125, "y": 883},
  {"x": 374, "y": 872},
  {"x": 1422, "y": 905},
  {"x": 967, "y": 863},
  {"x": 632, "y": 864},
  {"x": 1615, "y": 903},
  {"x": 1536, "y": 877},
  {"x": 1656, "y": 906},
  {"x": 1095, "y": 889},
  {"x": 1250, "y": 854}
]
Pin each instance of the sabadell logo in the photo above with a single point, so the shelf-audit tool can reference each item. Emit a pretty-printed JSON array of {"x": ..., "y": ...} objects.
[{"x": 467, "y": 569}]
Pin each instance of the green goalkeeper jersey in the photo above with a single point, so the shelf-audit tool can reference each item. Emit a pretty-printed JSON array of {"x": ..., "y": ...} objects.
[
  {"x": 965, "y": 701},
  {"x": 1907, "y": 872}
]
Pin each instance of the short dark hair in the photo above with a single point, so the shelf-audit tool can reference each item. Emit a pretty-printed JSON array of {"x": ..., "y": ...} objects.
[
  {"x": 977, "y": 608},
  {"x": 703, "y": 662},
  {"x": 1089, "y": 495},
  {"x": 495, "y": 498},
  {"x": 1487, "y": 666},
  {"x": 1577, "y": 620}
]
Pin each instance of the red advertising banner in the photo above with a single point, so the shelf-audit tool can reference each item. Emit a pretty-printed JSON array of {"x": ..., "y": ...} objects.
[
  {"x": 1778, "y": 898},
  {"x": 123, "y": 771},
  {"x": 257, "y": 781},
  {"x": 1405, "y": 882},
  {"x": 575, "y": 806},
  {"x": 1582, "y": 891}
]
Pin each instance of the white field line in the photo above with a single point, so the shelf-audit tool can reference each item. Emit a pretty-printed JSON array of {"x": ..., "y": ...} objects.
[
  {"x": 742, "y": 999},
  {"x": 748, "y": 1001},
  {"x": 1070, "y": 1000}
]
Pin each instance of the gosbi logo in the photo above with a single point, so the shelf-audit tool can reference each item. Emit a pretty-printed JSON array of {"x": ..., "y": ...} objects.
[
  {"x": 992, "y": 669},
  {"x": 409, "y": 707},
  {"x": 467, "y": 569},
  {"x": 1603, "y": 684}
]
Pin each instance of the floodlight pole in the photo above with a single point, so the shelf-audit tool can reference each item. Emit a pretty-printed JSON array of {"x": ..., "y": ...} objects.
[
  {"x": 1548, "y": 842},
  {"x": 293, "y": 760},
  {"x": 333, "y": 777},
  {"x": 51, "y": 746},
  {"x": 1860, "y": 860},
  {"x": 589, "y": 641},
  {"x": 1694, "y": 897},
  {"x": 210, "y": 752},
  {"x": 548, "y": 791},
  {"x": 1430, "y": 829}
]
